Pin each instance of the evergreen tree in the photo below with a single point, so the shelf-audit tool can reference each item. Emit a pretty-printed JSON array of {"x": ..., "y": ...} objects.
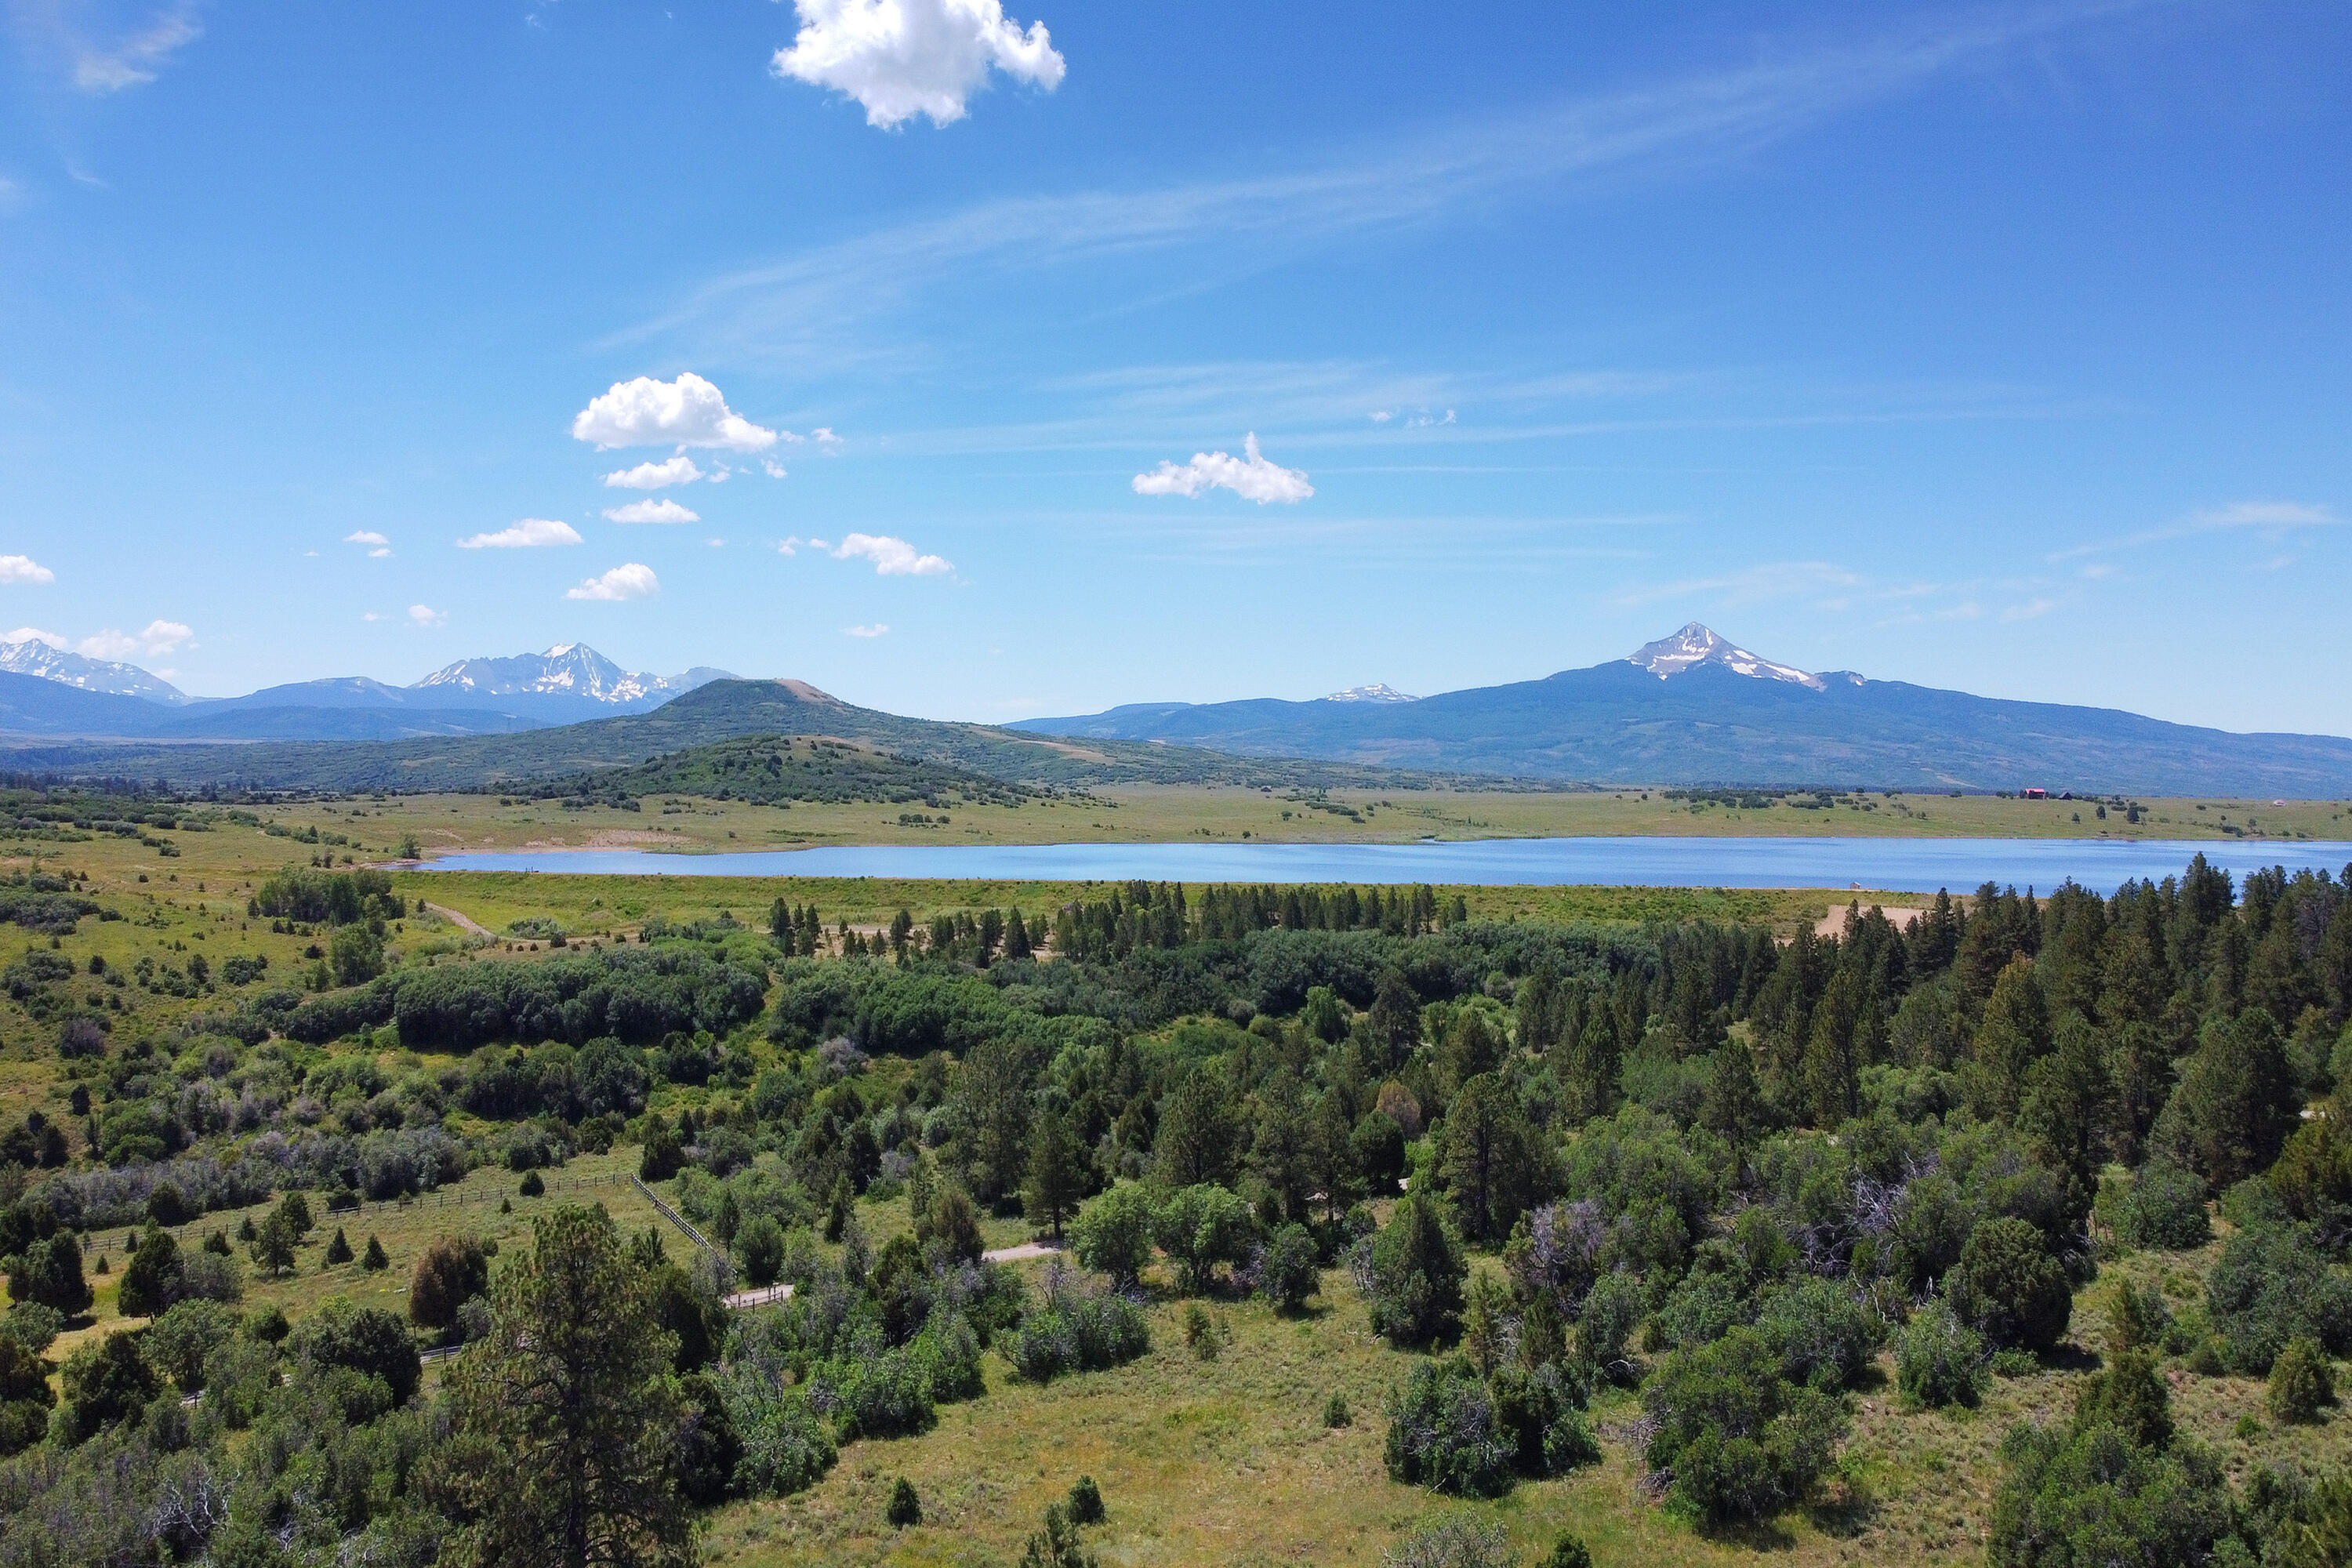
[
  {"x": 1490, "y": 1159},
  {"x": 2015, "y": 1035},
  {"x": 339, "y": 1249},
  {"x": 1056, "y": 1175},
  {"x": 1197, "y": 1138},
  {"x": 2235, "y": 1103},
  {"x": 564, "y": 1415}
]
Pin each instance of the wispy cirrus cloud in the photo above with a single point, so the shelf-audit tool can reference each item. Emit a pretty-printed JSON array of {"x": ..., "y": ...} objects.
[
  {"x": 135, "y": 58},
  {"x": 834, "y": 292},
  {"x": 2272, "y": 519}
]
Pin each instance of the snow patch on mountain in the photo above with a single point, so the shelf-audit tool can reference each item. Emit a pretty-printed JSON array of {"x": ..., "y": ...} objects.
[
  {"x": 567, "y": 670},
  {"x": 1696, "y": 644},
  {"x": 1376, "y": 692},
  {"x": 33, "y": 657}
]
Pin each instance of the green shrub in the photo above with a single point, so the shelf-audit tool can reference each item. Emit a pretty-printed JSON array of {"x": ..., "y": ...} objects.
[
  {"x": 1741, "y": 1441},
  {"x": 1336, "y": 1413},
  {"x": 1825, "y": 1335},
  {"x": 1568, "y": 1552},
  {"x": 1413, "y": 1276},
  {"x": 2085, "y": 1495},
  {"x": 1443, "y": 1433},
  {"x": 2271, "y": 1285},
  {"x": 2138, "y": 1316},
  {"x": 2159, "y": 1206},
  {"x": 905, "y": 1507},
  {"x": 1457, "y": 1542},
  {"x": 2128, "y": 1395},
  {"x": 1543, "y": 1412},
  {"x": 2008, "y": 1287},
  {"x": 1086, "y": 1502},
  {"x": 2301, "y": 1383},
  {"x": 760, "y": 1244},
  {"x": 1202, "y": 1228},
  {"x": 1285, "y": 1270},
  {"x": 1112, "y": 1234},
  {"x": 1606, "y": 1326},
  {"x": 1071, "y": 1328}
]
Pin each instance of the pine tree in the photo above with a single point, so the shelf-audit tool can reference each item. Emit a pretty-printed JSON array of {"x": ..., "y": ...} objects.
[
  {"x": 374, "y": 1259},
  {"x": 565, "y": 1414},
  {"x": 338, "y": 1250},
  {"x": 1056, "y": 1175}
]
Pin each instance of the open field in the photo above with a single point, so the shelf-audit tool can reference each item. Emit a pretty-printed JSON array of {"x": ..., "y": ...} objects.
[
  {"x": 1171, "y": 813},
  {"x": 1227, "y": 1462}
]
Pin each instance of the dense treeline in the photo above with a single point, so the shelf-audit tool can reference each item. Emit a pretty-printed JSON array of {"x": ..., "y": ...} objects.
[
  {"x": 1727, "y": 1169},
  {"x": 778, "y": 770}
]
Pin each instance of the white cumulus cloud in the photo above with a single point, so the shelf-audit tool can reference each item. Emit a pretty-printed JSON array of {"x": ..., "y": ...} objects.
[
  {"x": 689, "y": 412},
  {"x": 163, "y": 636},
  {"x": 876, "y": 630},
  {"x": 678, "y": 470},
  {"x": 775, "y": 470},
  {"x": 891, "y": 557},
  {"x": 365, "y": 536},
  {"x": 34, "y": 634},
  {"x": 904, "y": 57},
  {"x": 1250, "y": 477},
  {"x": 426, "y": 616},
  {"x": 632, "y": 581},
  {"x": 24, "y": 569},
  {"x": 530, "y": 533},
  {"x": 663, "y": 510},
  {"x": 110, "y": 643}
]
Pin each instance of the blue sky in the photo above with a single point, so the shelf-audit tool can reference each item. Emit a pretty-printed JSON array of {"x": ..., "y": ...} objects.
[{"x": 1998, "y": 347}]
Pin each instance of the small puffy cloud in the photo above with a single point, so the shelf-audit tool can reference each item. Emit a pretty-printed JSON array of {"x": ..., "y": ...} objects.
[
  {"x": 371, "y": 616},
  {"x": 823, "y": 437},
  {"x": 1383, "y": 415},
  {"x": 165, "y": 636},
  {"x": 678, "y": 470},
  {"x": 365, "y": 536},
  {"x": 899, "y": 59},
  {"x": 876, "y": 630},
  {"x": 633, "y": 581},
  {"x": 775, "y": 470},
  {"x": 157, "y": 638},
  {"x": 663, "y": 510},
  {"x": 1250, "y": 477},
  {"x": 530, "y": 533},
  {"x": 891, "y": 557},
  {"x": 687, "y": 412},
  {"x": 34, "y": 634},
  {"x": 426, "y": 616},
  {"x": 108, "y": 644},
  {"x": 788, "y": 546},
  {"x": 133, "y": 61},
  {"x": 24, "y": 569}
]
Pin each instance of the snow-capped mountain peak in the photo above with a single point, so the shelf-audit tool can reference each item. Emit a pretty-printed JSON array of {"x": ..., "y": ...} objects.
[
  {"x": 1376, "y": 692},
  {"x": 567, "y": 670},
  {"x": 1696, "y": 644},
  {"x": 31, "y": 656}
]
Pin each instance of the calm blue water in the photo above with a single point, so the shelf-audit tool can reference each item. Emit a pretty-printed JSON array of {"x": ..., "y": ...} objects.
[{"x": 1895, "y": 865}]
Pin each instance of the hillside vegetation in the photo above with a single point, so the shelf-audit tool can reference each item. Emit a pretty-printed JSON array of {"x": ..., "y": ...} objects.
[{"x": 2014, "y": 1236}]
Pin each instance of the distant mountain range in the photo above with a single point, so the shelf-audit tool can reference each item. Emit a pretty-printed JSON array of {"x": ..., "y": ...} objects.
[
  {"x": 1695, "y": 709},
  {"x": 45, "y": 690},
  {"x": 1689, "y": 709},
  {"x": 713, "y": 712}
]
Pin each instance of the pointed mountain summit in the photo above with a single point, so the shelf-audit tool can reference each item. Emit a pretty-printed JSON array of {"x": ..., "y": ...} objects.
[
  {"x": 1696, "y": 644},
  {"x": 567, "y": 670},
  {"x": 33, "y": 657},
  {"x": 1375, "y": 692}
]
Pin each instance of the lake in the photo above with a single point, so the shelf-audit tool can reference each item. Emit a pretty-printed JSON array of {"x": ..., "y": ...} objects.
[{"x": 1894, "y": 865}]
